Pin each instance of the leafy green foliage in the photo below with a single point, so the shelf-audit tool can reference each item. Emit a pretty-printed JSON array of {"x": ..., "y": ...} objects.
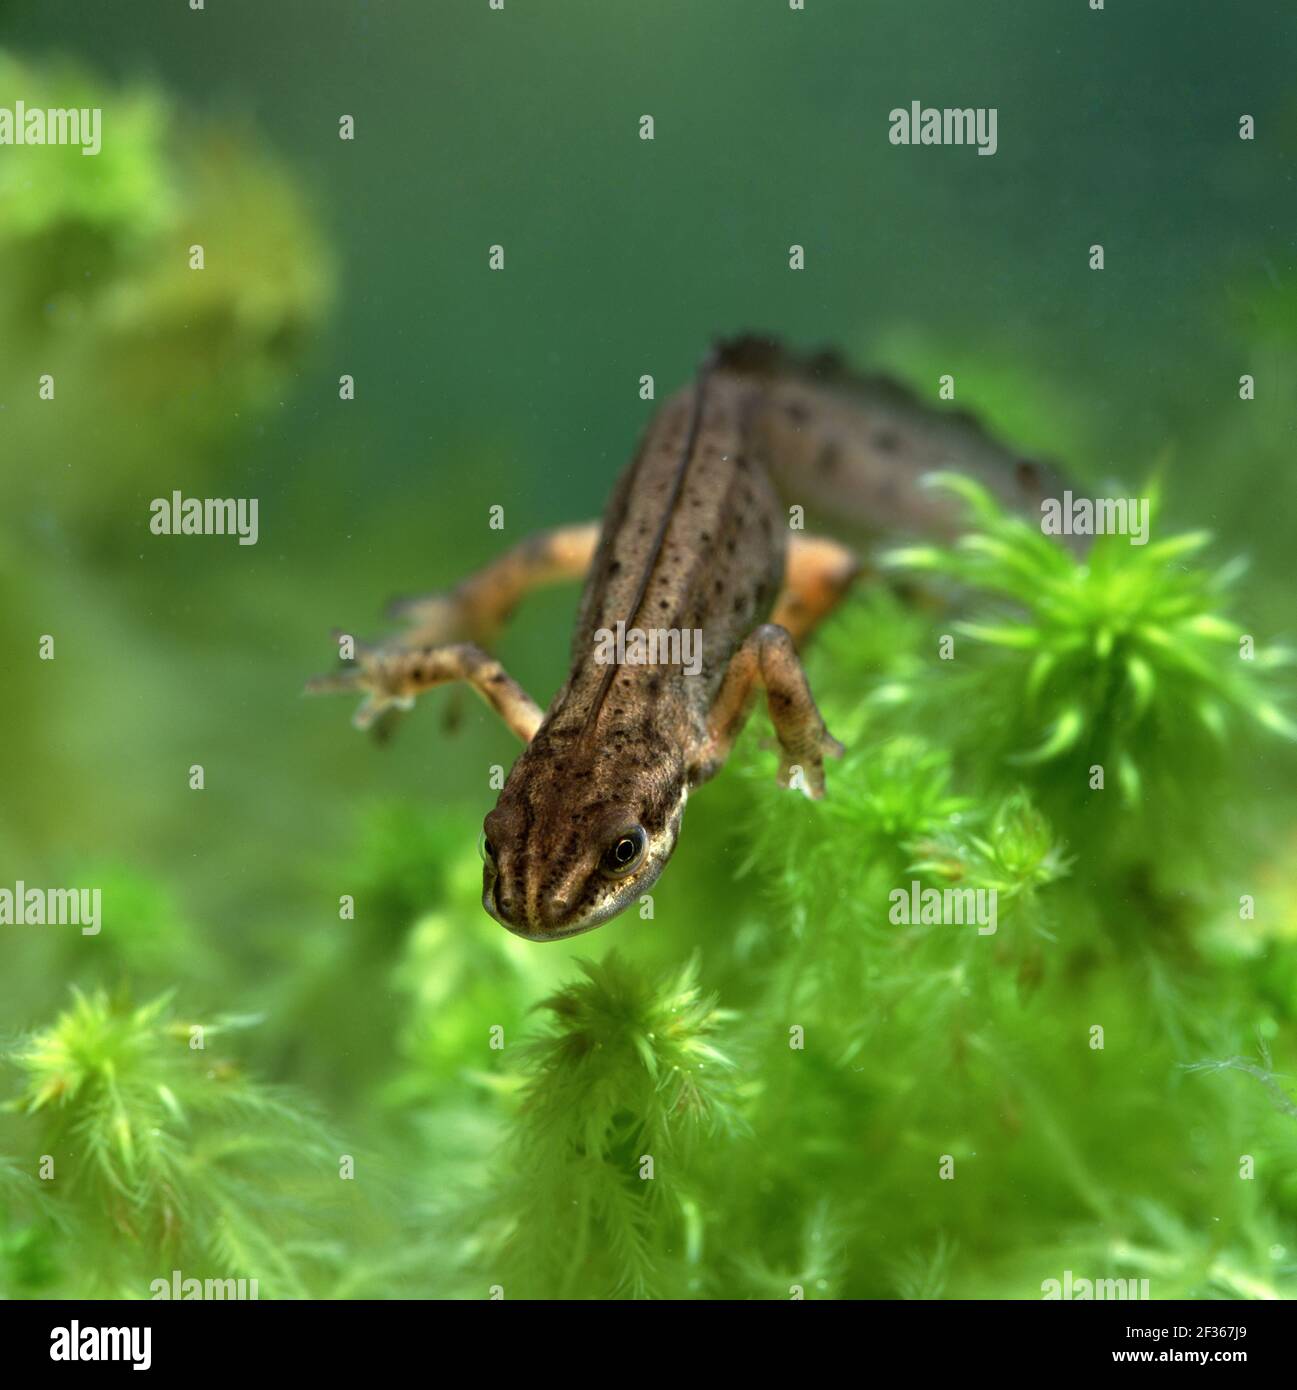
[
  {"x": 1125, "y": 660},
  {"x": 1109, "y": 652},
  {"x": 97, "y": 283},
  {"x": 847, "y": 1122},
  {"x": 622, "y": 1091},
  {"x": 151, "y": 1155}
]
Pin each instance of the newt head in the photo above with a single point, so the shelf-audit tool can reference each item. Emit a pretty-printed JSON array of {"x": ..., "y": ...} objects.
[{"x": 567, "y": 847}]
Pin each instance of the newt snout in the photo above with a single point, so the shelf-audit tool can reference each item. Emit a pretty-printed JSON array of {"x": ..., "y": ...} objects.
[{"x": 566, "y": 848}]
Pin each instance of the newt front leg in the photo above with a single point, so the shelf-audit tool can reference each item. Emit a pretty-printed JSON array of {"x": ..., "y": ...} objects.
[
  {"x": 440, "y": 624},
  {"x": 769, "y": 659},
  {"x": 391, "y": 677},
  {"x": 818, "y": 576}
]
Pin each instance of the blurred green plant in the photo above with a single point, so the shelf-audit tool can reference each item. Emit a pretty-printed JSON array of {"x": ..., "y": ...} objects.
[
  {"x": 1124, "y": 659},
  {"x": 797, "y": 1133},
  {"x": 1017, "y": 855},
  {"x": 148, "y": 1154},
  {"x": 598, "y": 1192},
  {"x": 150, "y": 357}
]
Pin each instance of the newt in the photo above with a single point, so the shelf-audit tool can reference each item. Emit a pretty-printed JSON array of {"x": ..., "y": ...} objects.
[{"x": 694, "y": 540}]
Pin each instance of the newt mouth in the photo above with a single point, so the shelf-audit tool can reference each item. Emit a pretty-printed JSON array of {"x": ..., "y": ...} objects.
[{"x": 531, "y": 932}]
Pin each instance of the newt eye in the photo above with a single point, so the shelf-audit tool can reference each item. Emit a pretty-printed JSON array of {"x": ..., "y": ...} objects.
[
  {"x": 624, "y": 853},
  {"x": 486, "y": 849}
]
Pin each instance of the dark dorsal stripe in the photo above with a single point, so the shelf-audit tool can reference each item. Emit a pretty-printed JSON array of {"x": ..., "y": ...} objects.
[{"x": 677, "y": 484}]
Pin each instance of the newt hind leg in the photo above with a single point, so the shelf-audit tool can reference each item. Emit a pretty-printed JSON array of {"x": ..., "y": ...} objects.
[
  {"x": 479, "y": 606},
  {"x": 818, "y": 576}
]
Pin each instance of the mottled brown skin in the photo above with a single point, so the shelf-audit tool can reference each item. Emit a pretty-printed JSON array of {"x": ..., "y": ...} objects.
[
  {"x": 622, "y": 746},
  {"x": 695, "y": 537},
  {"x": 853, "y": 450}
]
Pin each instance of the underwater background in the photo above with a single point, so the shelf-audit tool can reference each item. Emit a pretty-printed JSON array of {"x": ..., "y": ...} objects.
[{"x": 837, "y": 1107}]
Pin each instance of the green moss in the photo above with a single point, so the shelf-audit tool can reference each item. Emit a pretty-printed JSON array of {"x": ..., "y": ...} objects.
[
  {"x": 150, "y": 357},
  {"x": 600, "y": 1191},
  {"x": 1103, "y": 678},
  {"x": 800, "y": 1084},
  {"x": 148, "y": 1149}
]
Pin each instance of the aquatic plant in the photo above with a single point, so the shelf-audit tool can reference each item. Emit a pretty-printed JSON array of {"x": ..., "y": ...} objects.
[
  {"x": 620, "y": 1095},
  {"x": 1122, "y": 663},
  {"x": 101, "y": 291},
  {"x": 147, "y": 1150},
  {"x": 827, "y": 1100},
  {"x": 874, "y": 1052}
]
